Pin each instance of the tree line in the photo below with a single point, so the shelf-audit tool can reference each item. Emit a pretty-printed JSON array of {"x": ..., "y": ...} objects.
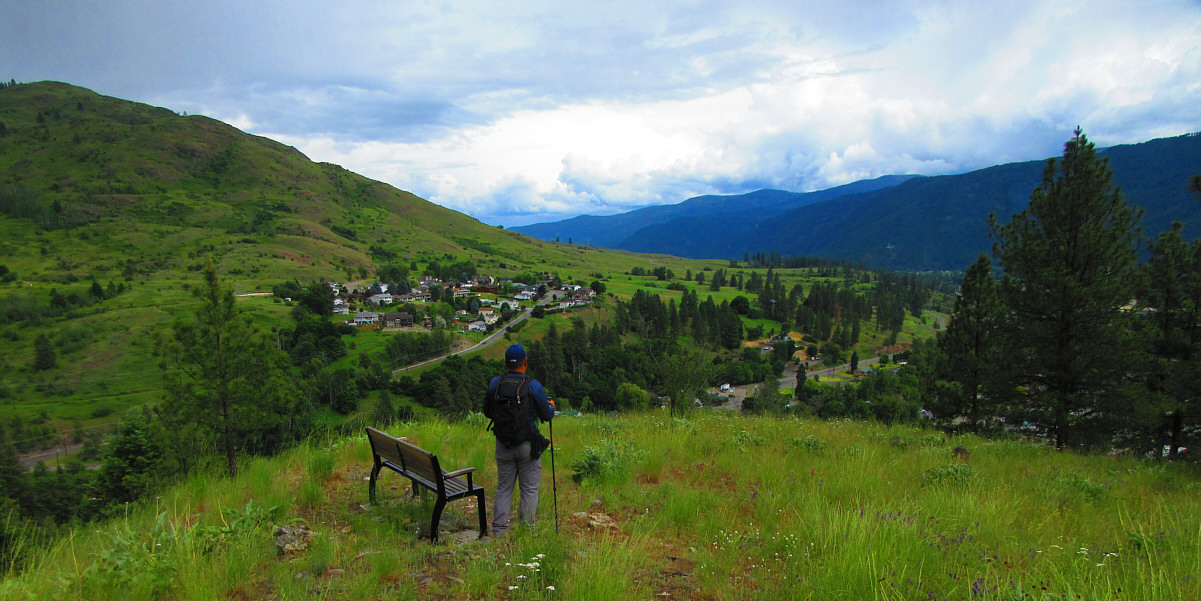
[{"x": 1076, "y": 341}]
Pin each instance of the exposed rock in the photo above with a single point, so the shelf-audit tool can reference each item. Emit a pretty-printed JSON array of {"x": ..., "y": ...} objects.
[
  {"x": 293, "y": 539},
  {"x": 594, "y": 521}
]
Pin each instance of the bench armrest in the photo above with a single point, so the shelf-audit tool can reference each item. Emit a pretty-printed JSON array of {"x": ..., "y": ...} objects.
[{"x": 458, "y": 473}]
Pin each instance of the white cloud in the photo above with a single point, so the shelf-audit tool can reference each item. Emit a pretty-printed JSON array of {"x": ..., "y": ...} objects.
[{"x": 537, "y": 110}]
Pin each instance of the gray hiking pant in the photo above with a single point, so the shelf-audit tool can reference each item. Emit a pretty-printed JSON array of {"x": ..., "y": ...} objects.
[{"x": 515, "y": 466}]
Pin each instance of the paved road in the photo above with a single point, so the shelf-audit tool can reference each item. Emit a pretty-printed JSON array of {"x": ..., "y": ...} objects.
[
  {"x": 29, "y": 461},
  {"x": 787, "y": 380},
  {"x": 497, "y": 335}
]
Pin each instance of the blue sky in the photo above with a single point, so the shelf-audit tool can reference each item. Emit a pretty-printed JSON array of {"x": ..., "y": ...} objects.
[{"x": 520, "y": 112}]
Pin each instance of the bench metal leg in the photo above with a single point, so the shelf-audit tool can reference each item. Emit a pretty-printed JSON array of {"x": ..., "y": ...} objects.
[
  {"x": 438, "y": 507},
  {"x": 374, "y": 476},
  {"x": 479, "y": 495}
]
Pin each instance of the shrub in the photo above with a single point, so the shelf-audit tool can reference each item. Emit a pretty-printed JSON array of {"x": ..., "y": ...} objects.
[
  {"x": 811, "y": 444},
  {"x": 474, "y": 419},
  {"x": 1092, "y": 491},
  {"x": 951, "y": 473},
  {"x": 744, "y": 439},
  {"x": 608, "y": 461}
]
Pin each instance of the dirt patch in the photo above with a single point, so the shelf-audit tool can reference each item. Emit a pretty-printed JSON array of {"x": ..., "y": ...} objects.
[
  {"x": 672, "y": 577},
  {"x": 705, "y": 475},
  {"x": 649, "y": 479},
  {"x": 894, "y": 348}
]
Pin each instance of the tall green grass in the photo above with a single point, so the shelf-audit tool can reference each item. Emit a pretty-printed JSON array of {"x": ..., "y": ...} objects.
[{"x": 713, "y": 506}]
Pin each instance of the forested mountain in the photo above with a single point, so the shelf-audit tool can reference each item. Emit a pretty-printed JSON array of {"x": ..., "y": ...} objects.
[
  {"x": 922, "y": 223},
  {"x": 619, "y": 231}
]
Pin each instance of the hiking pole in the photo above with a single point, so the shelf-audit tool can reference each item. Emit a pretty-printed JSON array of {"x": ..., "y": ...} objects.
[{"x": 554, "y": 485}]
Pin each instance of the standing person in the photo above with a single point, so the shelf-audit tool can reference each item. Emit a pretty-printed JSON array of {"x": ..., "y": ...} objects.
[{"x": 515, "y": 402}]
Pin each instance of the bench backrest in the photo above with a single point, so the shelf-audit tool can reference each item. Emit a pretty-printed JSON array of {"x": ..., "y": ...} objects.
[{"x": 408, "y": 457}]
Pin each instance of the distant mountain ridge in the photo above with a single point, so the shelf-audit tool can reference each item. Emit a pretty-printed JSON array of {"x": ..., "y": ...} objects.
[
  {"x": 916, "y": 223},
  {"x": 615, "y": 230}
]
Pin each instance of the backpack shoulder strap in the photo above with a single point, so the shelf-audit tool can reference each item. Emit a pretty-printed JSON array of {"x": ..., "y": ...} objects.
[{"x": 523, "y": 387}]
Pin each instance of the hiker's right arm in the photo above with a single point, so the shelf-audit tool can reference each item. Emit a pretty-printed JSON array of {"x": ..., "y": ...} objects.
[{"x": 541, "y": 403}]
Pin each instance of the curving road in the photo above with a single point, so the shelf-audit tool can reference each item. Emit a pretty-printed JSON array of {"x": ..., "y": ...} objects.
[{"x": 493, "y": 337}]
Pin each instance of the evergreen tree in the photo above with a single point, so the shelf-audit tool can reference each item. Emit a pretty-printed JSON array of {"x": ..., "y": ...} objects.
[
  {"x": 767, "y": 399},
  {"x": 44, "y": 356},
  {"x": 970, "y": 355},
  {"x": 384, "y": 412},
  {"x": 12, "y": 477},
  {"x": 551, "y": 361},
  {"x": 133, "y": 460},
  {"x": 317, "y": 297},
  {"x": 226, "y": 378},
  {"x": 1069, "y": 265},
  {"x": 681, "y": 376},
  {"x": 1173, "y": 339}
]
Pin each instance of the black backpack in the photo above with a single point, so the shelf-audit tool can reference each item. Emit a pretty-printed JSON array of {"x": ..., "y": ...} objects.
[{"x": 512, "y": 412}]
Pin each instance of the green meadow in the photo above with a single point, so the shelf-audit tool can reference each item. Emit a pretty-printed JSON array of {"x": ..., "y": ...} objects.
[{"x": 708, "y": 506}]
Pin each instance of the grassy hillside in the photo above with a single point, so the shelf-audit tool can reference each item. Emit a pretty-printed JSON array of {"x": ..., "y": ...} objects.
[
  {"x": 712, "y": 506},
  {"x": 137, "y": 197},
  {"x": 137, "y": 190}
]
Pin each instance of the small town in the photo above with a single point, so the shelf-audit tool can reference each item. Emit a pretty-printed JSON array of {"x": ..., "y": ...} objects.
[{"x": 490, "y": 302}]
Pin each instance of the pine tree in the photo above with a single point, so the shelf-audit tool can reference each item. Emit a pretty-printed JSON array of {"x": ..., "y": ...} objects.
[
  {"x": 969, "y": 349},
  {"x": 133, "y": 460},
  {"x": 1173, "y": 338},
  {"x": 385, "y": 412},
  {"x": 44, "y": 356},
  {"x": 1069, "y": 265},
  {"x": 226, "y": 377}
]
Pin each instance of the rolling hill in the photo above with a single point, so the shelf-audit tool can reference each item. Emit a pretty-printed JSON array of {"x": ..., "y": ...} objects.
[
  {"x": 99, "y": 191},
  {"x": 919, "y": 223},
  {"x": 107, "y": 170}
]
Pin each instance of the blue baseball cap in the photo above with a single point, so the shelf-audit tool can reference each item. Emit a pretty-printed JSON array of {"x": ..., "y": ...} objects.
[{"x": 514, "y": 355}]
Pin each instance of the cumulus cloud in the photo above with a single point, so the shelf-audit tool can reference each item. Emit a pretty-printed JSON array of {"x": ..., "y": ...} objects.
[{"x": 530, "y": 111}]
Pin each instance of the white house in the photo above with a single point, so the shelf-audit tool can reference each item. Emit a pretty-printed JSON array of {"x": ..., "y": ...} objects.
[
  {"x": 380, "y": 299},
  {"x": 366, "y": 319}
]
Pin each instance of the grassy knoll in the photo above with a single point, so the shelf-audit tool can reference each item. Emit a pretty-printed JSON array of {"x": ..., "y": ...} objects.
[{"x": 714, "y": 506}]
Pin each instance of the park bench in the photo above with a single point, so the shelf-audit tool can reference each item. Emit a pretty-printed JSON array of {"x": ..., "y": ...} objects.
[{"x": 422, "y": 468}]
